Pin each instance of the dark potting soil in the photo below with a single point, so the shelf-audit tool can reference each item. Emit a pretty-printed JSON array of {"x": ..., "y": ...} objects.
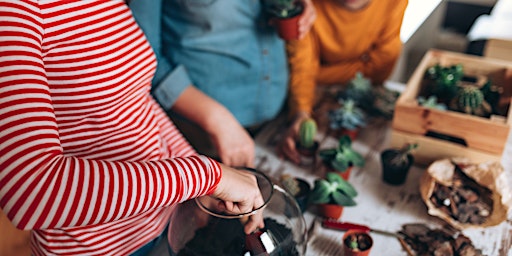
[{"x": 226, "y": 237}]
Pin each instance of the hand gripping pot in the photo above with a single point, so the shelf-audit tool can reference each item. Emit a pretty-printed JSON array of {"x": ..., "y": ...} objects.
[{"x": 197, "y": 227}]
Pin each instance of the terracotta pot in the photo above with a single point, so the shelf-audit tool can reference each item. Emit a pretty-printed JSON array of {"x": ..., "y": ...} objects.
[
  {"x": 345, "y": 174},
  {"x": 347, "y": 251},
  {"x": 307, "y": 155},
  {"x": 391, "y": 174},
  {"x": 331, "y": 211},
  {"x": 351, "y": 133},
  {"x": 288, "y": 28}
]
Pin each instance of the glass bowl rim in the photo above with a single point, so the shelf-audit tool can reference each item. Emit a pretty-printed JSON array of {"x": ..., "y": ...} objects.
[{"x": 241, "y": 215}]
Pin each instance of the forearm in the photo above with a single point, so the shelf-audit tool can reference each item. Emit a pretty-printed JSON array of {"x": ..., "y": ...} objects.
[{"x": 201, "y": 109}]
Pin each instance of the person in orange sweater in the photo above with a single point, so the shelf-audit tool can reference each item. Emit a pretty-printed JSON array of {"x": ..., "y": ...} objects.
[{"x": 348, "y": 36}]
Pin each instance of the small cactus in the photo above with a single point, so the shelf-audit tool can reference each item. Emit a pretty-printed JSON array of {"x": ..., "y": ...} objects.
[
  {"x": 307, "y": 132},
  {"x": 470, "y": 100},
  {"x": 290, "y": 184},
  {"x": 401, "y": 158}
]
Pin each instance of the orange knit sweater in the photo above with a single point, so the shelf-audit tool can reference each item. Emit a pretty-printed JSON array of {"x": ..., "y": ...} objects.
[{"x": 342, "y": 42}]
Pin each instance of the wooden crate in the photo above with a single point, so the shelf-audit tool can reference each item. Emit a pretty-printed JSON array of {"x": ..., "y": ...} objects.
[{"x": 479, "y": 137}]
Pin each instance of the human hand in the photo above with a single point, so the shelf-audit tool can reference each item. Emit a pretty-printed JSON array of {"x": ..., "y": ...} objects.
[
  {"x": 234, "y": 145},
  {"x": 240, "y": 193},
  {"x": 287, "y": 146},
  {"x": 307, "y": 19}
]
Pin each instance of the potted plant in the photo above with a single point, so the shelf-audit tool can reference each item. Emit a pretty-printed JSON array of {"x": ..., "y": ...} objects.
[
  {"x": 342, "y": 158},
  {"x": 396, "y": 163},
  {"x": 360, "y": 90},
  {"x": 306, "y": 144},
  {"x": 331, "y": 194},
  {"x": 347, "y": 119},
  {"x": 357, "y": 243},
  {"x": 298, "y": 188},
  {"x": 285, "y": 16}
]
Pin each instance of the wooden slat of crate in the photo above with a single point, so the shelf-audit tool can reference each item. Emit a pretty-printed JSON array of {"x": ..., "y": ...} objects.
[
  {"x": 479, "y": 133},
  {"x": 431, "y": 149}
]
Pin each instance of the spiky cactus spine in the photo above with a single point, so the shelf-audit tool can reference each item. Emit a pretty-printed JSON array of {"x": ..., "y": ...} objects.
[
  {"x": 469, "y": 99},
  {"x": 307, "y": 132},
  {"x": 290, "y": 184}
]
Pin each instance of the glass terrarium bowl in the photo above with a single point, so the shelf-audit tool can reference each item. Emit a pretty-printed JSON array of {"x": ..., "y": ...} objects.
[{"x": 197, "y": 227}]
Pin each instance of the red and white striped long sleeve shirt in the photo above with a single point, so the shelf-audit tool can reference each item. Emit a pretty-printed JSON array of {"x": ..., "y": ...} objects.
[{"x": 88, "y": 160}]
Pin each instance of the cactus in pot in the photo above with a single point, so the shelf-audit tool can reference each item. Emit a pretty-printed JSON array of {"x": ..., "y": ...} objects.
[
  {"x": 307, "y": 133},
  {"x": 396, "y": 163},
  {"x": 306, "y": 144},
  {"x": 470, "y": 100}
]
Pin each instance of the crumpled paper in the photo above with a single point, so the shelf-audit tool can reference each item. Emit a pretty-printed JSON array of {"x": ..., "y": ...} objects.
[{"x": 488, "y": 174}]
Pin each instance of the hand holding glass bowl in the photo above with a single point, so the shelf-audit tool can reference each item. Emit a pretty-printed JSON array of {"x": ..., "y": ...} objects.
[{"x": 209, "y": 226}]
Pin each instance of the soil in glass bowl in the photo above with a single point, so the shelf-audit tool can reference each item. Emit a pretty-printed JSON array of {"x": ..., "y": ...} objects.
[{"x": 226, "y": 237}]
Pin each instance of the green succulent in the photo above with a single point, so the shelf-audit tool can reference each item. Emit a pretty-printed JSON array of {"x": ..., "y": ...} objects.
[
  {"x": 431, "y": 102},
  {"x": 283, "y": 8},
  {"x": 360, "y": 89},
  {"x": 343, "y": 156},
  {"x": 307, "y": 132},
  {"x": 348, "y": 116},
  {"x": 333, "y": 190}
]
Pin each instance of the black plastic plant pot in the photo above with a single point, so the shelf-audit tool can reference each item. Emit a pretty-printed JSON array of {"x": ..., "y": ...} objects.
[
  {"x": 394, "y": 174},
  {"x": 307, "y": 155},
  {"x": 303, "y": 196}
]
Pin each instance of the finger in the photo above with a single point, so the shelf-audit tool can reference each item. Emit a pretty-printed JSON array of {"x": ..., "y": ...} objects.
[
  {"x": 229, "y": 206},
  {"x": 291, "y": 151},
  {"x": 255, "y": 222}
]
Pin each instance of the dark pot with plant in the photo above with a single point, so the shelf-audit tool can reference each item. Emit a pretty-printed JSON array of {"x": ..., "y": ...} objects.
[
  {"x": 360, "y": 90},
  {"x": 285, "y": 16},
  {"x": 298, "y": 188},
  {"x": 357, "y": 243},
  {"x": 396, "y": 163},
  {"x": 347, "y": 119},
  {"x": 331, "y": 194},
  {"x": 342, "y": 158},
  {"x": 306, "y": 145}
]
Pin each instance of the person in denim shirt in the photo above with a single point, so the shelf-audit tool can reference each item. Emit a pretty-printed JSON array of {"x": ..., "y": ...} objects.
[{"x": 220, "y": 66}]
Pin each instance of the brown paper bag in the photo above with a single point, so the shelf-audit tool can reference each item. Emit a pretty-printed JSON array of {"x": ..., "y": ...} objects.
[{"x": 489, "y": 174}]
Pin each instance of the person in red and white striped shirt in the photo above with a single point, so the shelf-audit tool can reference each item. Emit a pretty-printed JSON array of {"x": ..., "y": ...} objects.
[{"x": 88, "y": 160}]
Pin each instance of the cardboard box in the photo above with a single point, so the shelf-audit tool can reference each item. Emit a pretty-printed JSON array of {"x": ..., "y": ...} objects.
[{"x": 448, "y": 133}]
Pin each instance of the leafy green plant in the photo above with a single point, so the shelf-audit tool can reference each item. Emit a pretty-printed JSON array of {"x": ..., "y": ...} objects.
[
  {"x": 333, "y": 190},
  {"x": 343, "y": 156},
  {"x": 307, "y": 132},
  {"x": 348, "y": 116},
  {"x": 444, "y": 80},
  {"x": 283, "y": 8}
]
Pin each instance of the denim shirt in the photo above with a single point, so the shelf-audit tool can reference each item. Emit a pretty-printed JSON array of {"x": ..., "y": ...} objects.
[{"x": 226, "y": 48}]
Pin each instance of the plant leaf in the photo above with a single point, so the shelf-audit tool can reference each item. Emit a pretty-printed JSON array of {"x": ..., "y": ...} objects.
[
  {"x": 342, "y": 199},
  {"x": 321, "y": 192}
]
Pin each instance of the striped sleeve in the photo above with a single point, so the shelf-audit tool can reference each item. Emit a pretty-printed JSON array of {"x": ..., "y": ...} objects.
[{"x": 40, "y": 186}]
